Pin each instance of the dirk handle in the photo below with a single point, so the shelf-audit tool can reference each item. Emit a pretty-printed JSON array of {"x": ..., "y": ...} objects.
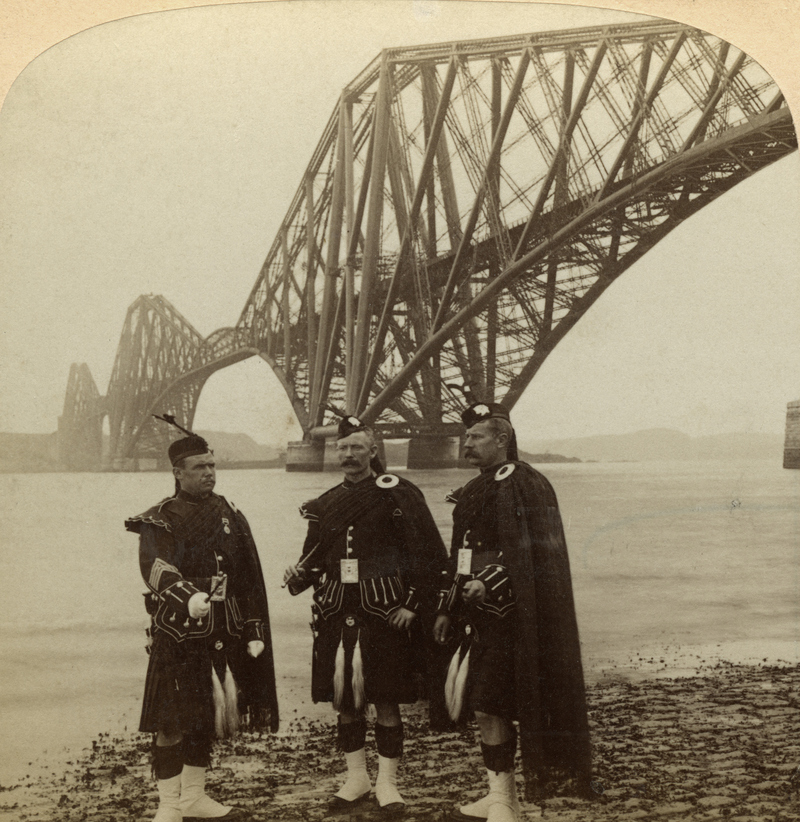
[{"x": 300, "y": 569}]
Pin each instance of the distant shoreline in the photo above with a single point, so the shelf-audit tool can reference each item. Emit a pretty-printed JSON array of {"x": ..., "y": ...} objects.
[{"x": 39, "y": 453}]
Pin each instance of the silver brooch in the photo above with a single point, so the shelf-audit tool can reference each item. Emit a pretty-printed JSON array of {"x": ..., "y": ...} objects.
[
  {"x": 505, "y": 471},
  {"x": 387, "y": 481}
]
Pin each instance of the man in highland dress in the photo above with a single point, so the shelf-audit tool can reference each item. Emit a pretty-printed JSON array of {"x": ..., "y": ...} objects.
[
  {"x": 375, "y": 557},
  {"x": 211, "y": 665},
  {"x": 519, "y": 657}
]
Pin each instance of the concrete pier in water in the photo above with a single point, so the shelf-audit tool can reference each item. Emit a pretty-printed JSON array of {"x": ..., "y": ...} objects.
[{"x": 791, "y": 445}]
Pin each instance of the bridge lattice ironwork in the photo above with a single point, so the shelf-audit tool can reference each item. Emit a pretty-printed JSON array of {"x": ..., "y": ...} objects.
[
  {"x": 466, "y": 204},
  {"x": 80, "y": 426}
]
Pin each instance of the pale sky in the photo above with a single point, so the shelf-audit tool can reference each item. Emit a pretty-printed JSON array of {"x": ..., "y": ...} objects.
[{"x": 159, "y": 153}]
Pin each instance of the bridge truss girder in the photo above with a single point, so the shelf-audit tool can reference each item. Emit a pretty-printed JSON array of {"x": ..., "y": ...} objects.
[
  {"x": 161, "y": 366},
  {"x": 80, "y": 426},
  {"x": 468, "y": 202}
]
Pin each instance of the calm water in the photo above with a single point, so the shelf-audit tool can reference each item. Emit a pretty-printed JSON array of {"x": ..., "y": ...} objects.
[{"x": 672, "y": 562}]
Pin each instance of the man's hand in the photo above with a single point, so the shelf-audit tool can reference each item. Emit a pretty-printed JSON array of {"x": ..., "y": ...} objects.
[
  {"x": 292, "y": 572},
  {"x": 441, "y": 628},
  {"x": 401, "y": 618},
  {"x": 473, "y": 592},
  {"x": 198, "y": 605},
  {"x": 255, "y": 648}
]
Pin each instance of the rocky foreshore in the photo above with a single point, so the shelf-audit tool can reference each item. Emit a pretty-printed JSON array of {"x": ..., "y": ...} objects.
[{"x": 724, "y": 743}]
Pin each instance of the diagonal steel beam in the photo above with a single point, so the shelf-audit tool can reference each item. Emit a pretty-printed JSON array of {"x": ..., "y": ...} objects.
[
  {"x": 287, "y": 330},
  {"x": 775, "y": 103},
  {"x": 674, "y": 165},
  {"x": 426, "y": 174},
  {"x": 561, "y": 187},
  {"x": 354, "y": 230},
  {"x": 311, "y": 277},
  {"x": 429, "y": 104},
  {"x": 563, "y": 144},
  {"x": 331, "y": 268},
  {"x": 372, "y": 240},
  {"x": 700, "y": 126},
  {"x": 494, "y": 156},
  {"x": 640, "y": 113}
]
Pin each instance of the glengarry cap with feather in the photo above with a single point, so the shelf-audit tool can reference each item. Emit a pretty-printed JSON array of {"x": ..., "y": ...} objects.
[
  {"x": 350, "y": 425},
  {"x": 480, "y": 411},
  {"x": 191, "y": 445}
]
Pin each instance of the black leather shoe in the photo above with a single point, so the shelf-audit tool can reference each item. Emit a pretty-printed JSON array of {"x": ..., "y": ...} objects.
[
  {"x": 393, "y": 809},
  {"x": 233, "y": 815},
  {"x": 338, "y": 805},
  {"x": 457, "y": 816}
]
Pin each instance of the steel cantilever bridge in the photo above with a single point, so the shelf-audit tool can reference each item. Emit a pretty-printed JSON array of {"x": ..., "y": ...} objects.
[{"x": 466, "y": 204}]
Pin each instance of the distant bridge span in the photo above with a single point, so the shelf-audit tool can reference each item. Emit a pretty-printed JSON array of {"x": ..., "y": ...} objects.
[{"x": 465, "y": 206}]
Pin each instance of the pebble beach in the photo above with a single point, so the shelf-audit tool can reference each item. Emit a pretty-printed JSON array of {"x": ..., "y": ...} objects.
[
  {"x": 723, "y": 742},
  {"x": 687, "y": 607}
]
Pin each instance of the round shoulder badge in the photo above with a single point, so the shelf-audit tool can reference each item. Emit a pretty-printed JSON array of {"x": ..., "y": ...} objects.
[
  {"x": 387, "y": 481},
  {"x": 506, "y": 471}
]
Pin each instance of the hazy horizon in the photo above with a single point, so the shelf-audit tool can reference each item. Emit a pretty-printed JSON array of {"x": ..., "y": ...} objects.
[{"x": 527, "y": 441}]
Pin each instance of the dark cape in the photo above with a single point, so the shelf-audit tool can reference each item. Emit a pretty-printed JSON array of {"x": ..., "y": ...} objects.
[
  {"x": 257, "y": 680},
  {"x": 424, "y": 558},
  {"x": 193, "y": 536},
  {"x": 550, "y": 691},
  {"x": 396, "y": 510}
]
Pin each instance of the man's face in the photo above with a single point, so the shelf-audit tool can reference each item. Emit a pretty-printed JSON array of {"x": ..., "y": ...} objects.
[
  {"x": 482, "y": 446},
  {"x": 354, "y": 453},
  {"x": 198, "y": 475}
]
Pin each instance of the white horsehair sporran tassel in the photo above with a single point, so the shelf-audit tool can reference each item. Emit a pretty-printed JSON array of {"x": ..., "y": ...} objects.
[
  {"x": 226, "y": 704},
  {"x": 219, "y": 704},
  {"x": 338, "y": 676},
  {"x": 450, "y": 682},
  {"x": 461, "y": 683},
  {"x": 456, "y": 682},
  {"x": 231, "y": 704},
  {"x": 359, "y": 694}
]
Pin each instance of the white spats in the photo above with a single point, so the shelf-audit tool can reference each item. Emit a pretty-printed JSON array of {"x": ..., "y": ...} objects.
[
  {"x": 169, "y": 800},
  {"x": 386, "y": 784},
  {"x": 195, "y": 802},
  {"x": 479, "y": 809},
  {"x": 357, "y": 784},
  {"x": 502, "y": 798}
]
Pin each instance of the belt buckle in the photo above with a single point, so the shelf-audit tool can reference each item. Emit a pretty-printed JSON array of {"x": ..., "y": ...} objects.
[{"x": 348, "y": 570}]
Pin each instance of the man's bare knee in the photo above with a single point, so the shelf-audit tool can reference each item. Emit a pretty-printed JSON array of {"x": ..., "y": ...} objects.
[
  {"x": 166, "y": 739},
  {"x": 494, "y": 729},
  {"x": 388, "y": 713}
]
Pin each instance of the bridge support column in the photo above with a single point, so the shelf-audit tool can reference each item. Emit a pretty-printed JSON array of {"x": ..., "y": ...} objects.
[
  {"x": 305, "y": 456},
  {"x": 791, "y": 448},
  {"x": 433, "y": 451}
]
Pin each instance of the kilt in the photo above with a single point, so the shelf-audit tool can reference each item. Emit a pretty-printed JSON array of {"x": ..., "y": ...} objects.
[
  {"x": 178, "y": 690},
  {"x": 490, "y": 678},
  {"x": 388, "y": 661}
]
